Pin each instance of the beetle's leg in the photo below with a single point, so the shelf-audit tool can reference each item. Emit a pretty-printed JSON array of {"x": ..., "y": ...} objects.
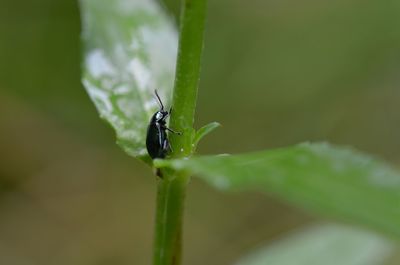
[
  {"x": 166, "y": 128},
  {"x": 178, "y": 133},
  {"x": 165, "y": 145},
  {"x": 159, "y": 173},
  {"x": 170, "y": 147}
]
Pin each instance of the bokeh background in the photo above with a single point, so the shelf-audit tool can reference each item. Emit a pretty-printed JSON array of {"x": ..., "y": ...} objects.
[{"x": 274, "y": 73}]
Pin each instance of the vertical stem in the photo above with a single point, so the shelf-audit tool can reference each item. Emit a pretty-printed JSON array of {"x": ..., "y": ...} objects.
[
  {"x": 169, "y": 220},
  {"x": 172, "y": 188},
  {"x": 187, "y": 75}
]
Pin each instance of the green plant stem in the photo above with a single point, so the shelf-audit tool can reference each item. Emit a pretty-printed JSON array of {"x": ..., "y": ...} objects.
[
  {"x": 172, "y": 187},
  {"x": 187, "y": 75},
  {"x": 169, "y": 220}
]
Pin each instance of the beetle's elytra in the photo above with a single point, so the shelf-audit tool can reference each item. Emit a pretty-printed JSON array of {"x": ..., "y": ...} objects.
[{"x": 157, "y": 139}]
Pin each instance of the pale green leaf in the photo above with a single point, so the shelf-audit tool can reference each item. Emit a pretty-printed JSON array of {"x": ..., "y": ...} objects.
[
  {"x": 130, "y": 50},
  {"x": 203, "y": 131},
  {"x": 324, "y": 245},
  {"x": 333, "y": 181}
]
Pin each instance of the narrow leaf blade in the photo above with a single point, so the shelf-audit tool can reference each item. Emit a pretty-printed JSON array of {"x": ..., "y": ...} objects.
[
  {"x": 203, "y": 131},
  {"x": 130, "y": 50},
  {"x": 336, "y": 182},
  {"x": 324, "y": 244}
]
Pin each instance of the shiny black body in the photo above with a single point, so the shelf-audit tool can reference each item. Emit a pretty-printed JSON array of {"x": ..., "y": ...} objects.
[{"x": 157, "y": 139}]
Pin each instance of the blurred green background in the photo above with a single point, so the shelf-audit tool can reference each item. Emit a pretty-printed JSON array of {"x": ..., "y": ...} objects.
[{"x": 274, "y": 73}]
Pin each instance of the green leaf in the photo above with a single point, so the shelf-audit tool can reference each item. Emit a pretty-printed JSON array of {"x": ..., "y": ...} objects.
[
  {"x": 337, "y": 182},
  {"x": 130, "y": 50},
  {"x": 324, "y": 245},
  {"x": 203, "y": 131}
]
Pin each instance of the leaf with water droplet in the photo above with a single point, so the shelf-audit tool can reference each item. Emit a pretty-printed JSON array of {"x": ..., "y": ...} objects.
[
  {"x": 333, "y": 181},
  {"x": 130, "y": 50}
]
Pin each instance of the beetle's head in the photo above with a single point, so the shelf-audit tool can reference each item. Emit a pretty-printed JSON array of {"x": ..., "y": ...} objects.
[{"x": 161, "y": 115}]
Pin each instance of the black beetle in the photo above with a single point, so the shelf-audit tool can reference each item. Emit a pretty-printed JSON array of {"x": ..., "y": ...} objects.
[{"x": 156, "y": 140}]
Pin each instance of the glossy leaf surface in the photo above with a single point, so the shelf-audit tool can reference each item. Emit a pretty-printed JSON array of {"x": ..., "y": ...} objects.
[{"x": 130, "y": 50}]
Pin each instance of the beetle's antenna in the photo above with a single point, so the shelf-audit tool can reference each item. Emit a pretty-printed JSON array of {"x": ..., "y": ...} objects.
[{"x": 159, "y": 100}]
